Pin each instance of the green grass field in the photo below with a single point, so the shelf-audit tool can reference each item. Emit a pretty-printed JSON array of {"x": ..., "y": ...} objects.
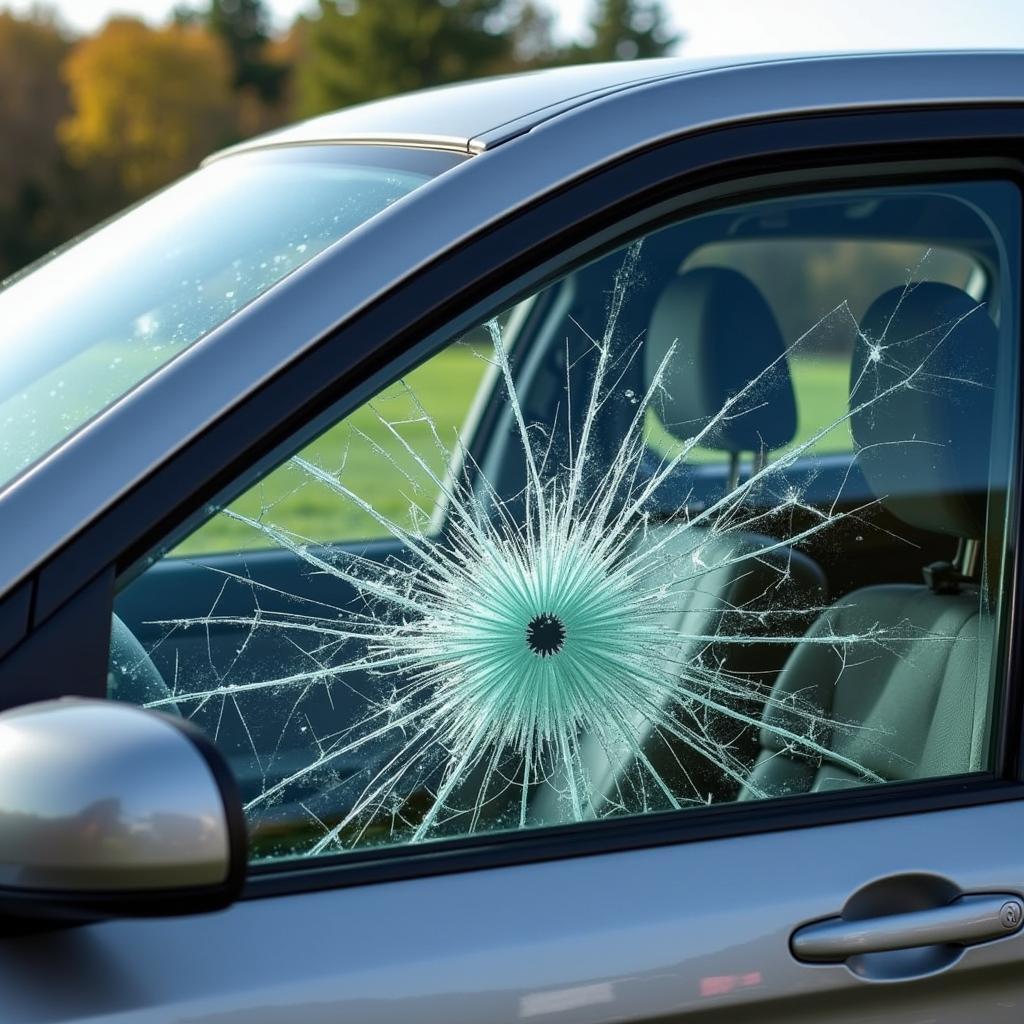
[
  {"x": 371, "y": 461},
  {"x": 821, "y": 387},
  {"x": 444, "y": 386}
]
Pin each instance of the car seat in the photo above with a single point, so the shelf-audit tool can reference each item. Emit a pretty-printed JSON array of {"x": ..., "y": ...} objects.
[{"x": 913, "y": 701}]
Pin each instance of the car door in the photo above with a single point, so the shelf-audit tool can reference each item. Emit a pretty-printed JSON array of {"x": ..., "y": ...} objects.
[{"x": 652, "y": 692}]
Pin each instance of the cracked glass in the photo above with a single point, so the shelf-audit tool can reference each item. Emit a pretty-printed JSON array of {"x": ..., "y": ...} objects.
[{"x": 717, "y": 517}]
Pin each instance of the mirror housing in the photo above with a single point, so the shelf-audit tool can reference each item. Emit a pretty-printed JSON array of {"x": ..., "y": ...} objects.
[{"x": 108, "y": 811}]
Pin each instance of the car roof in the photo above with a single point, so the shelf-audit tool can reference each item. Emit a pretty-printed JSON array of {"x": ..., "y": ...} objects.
[
  {"x": 471, "y": 117},
  {"x": 453, "y": 116}
]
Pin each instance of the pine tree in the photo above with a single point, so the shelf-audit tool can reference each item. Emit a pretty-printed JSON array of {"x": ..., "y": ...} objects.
[
  {"x": 363, "y": 49},
  {"x": 244, "y": 27},
  {"x": 628, "y": 29}
]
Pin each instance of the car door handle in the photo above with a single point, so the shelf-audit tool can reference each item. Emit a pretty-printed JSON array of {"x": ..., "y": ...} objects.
[{"x": 966, "y": 920}]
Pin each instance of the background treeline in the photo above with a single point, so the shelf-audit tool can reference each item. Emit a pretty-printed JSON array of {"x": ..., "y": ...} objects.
[{"x": 89, "y": 124}]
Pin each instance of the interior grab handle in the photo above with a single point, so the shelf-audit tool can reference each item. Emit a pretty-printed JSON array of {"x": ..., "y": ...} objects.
[{"x": 966, "y": 920}]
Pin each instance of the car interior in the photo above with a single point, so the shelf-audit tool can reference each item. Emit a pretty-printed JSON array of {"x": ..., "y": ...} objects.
[{"x": 871, "y": 318}]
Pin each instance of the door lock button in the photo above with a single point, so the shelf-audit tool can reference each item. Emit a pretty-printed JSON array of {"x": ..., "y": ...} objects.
[{"x": 1010, "y": 914}]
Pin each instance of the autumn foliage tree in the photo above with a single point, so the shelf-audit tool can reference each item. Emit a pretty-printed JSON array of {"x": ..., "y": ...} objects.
[
  {"x": 33, "y": 100},
  {"x": 148, "y": 103},
  {"x": 87, "y": 125}
]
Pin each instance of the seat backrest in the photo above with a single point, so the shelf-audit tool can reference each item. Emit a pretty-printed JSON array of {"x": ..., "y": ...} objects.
[
  {"x": 722, "y": 334},
  {"x": 912, "y": 701}
]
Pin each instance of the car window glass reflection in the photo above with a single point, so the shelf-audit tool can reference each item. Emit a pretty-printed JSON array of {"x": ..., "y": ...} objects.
[{"x": 87, "y": 324}]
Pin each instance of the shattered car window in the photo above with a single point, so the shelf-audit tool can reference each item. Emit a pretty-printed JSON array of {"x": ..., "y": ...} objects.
[{"x": 552, "y": 612}]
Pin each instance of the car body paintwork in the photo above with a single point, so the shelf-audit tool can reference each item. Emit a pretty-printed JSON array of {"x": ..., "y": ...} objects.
[
  {"x": 638, "y": 936},
  {"x": 696, "y": 930}
]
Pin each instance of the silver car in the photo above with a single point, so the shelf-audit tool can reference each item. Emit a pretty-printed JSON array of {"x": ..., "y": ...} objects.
[{"x": 542, "y": 549}]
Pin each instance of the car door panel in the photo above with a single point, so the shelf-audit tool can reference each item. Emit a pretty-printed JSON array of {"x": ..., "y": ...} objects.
[{"x": 697, "y": 931}]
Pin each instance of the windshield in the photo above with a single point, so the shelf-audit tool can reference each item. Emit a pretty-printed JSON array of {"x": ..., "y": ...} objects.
[{"x": 87, "y": 324}]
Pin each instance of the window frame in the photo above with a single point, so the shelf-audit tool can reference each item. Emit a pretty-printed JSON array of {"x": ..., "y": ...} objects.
[{"x": 73, "y": 593}]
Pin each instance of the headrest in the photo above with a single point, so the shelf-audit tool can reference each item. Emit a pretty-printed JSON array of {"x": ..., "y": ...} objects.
[
  {"x": 725, "y": 336},
  {"x": 924, "y": 446}
]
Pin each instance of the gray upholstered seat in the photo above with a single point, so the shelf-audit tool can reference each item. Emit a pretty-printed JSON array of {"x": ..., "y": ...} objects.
[{"x": 918, "y": 705}]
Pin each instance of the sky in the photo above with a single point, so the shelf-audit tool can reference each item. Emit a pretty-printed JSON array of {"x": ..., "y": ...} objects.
[{"x": 715, "y": 27}]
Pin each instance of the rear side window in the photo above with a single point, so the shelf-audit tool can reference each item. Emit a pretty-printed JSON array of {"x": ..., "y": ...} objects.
[{"x": 718, "y": 517}]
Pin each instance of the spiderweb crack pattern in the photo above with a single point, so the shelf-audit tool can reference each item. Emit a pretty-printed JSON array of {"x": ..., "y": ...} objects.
[{"x": 523, "y": 649}]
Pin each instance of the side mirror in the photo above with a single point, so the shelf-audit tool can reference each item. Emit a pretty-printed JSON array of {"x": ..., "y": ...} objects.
[{"x": 110, "y": 811}]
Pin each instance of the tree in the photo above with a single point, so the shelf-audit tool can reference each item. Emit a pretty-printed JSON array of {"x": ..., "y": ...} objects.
[
  {"x": 33, "y": 100},
  {"x": 362, "y": 49},
  {"x": 627, "y": 29},
  {"x": 244, "y": 26},
  {"x": 531, "y": 25},
  {"x": 148, "y": 103},
  {"x": 261, "y": 64}
]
